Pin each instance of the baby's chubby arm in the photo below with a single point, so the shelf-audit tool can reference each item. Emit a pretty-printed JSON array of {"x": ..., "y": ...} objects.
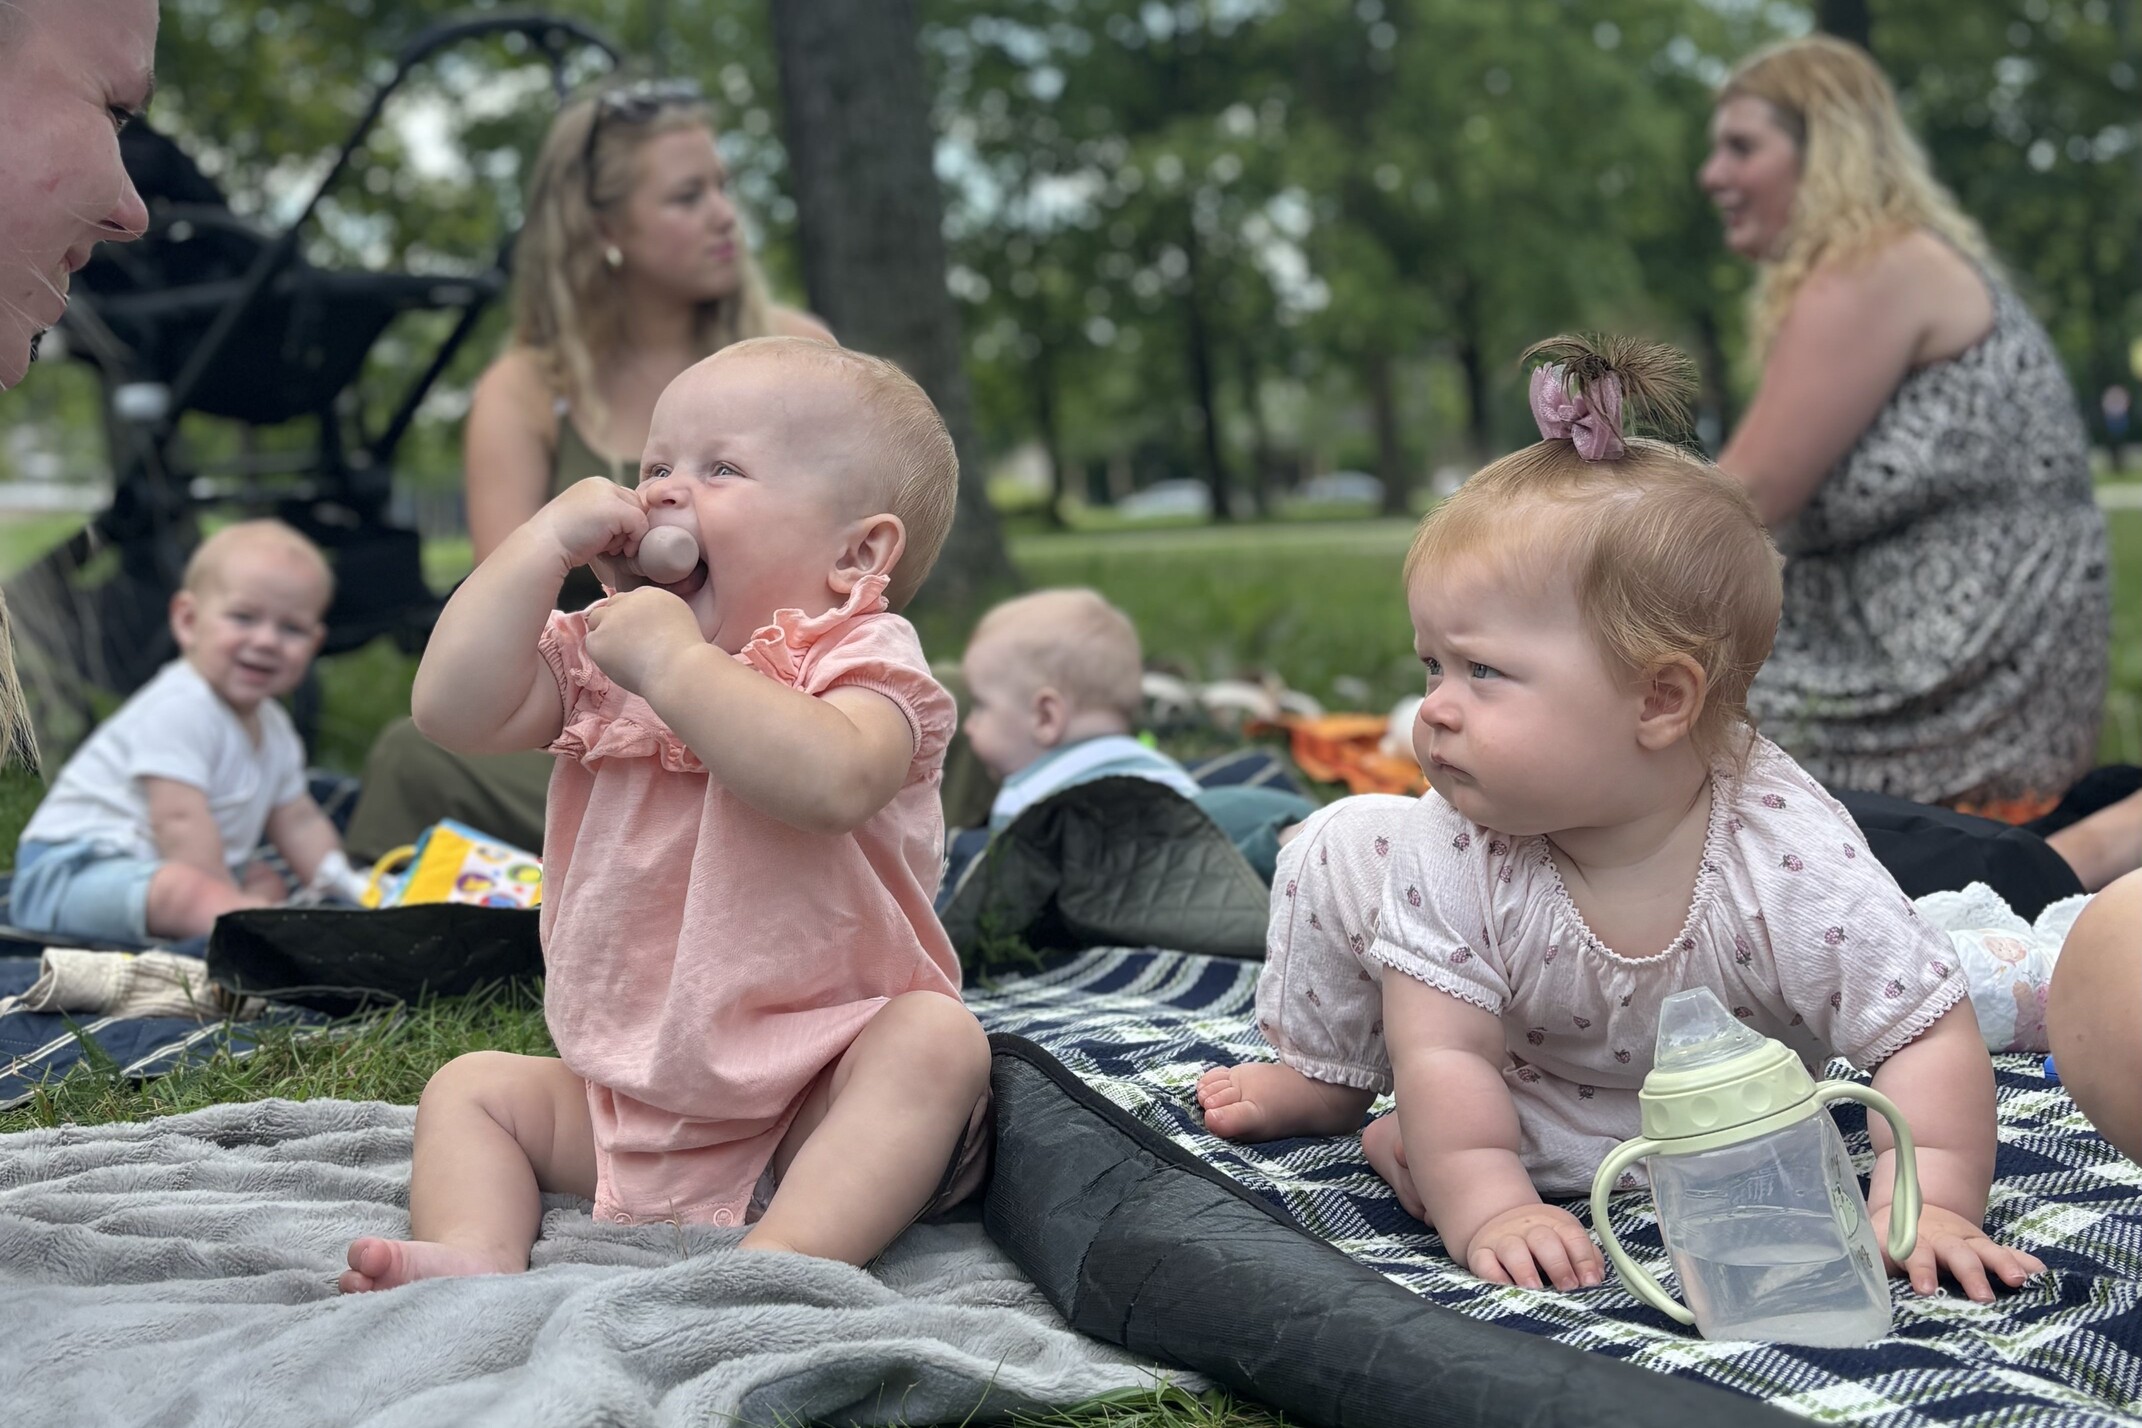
[
  {"x": 1461, "y": 1138},
  {"x": 483, "y": 686},
  {"x": 822, "y": 763},
  {"x": 1943, "y": 1083},
  {"x": 183, "y": 826},
  {"x": 304, "y": 835}
]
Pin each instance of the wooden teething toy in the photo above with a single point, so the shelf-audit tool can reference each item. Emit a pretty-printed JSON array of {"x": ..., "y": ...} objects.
[{"x": 667, "y": 554}]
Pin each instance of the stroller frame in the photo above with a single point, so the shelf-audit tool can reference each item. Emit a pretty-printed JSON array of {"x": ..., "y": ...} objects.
[{"x": 210, "y": 314}]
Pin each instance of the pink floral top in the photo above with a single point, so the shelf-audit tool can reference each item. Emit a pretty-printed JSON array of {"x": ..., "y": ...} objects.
[
  {"x": 1793, "y": 924},
  {"x": 703, "y": 959}
]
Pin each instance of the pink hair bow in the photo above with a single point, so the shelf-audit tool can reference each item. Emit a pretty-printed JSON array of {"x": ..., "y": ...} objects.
[{"x": 1591, "y": 419}]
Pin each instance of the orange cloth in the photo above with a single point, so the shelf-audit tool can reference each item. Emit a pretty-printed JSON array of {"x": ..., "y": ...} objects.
[
  {"x": 703, "y": 960},
  {"x": 2021, "y": 809},
  {"x": 1347, "y": 748}
]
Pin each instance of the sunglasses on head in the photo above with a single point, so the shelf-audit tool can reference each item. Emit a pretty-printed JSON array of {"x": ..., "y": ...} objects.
[{"x": 633, "y": 103}]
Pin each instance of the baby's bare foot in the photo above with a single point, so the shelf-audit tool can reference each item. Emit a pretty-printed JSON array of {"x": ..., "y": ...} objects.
[
  {"x": 388, "y": 1264},
  {"x": 1262, "y": 1100}
]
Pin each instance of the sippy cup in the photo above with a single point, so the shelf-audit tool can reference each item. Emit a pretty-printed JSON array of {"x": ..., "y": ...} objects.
[{"x": 1757, "y": 1203}]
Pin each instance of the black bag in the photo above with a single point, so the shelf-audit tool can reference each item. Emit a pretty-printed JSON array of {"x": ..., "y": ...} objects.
[
  {"x": 1929, "y": 850},
  {"x": 339, "y": 960}
]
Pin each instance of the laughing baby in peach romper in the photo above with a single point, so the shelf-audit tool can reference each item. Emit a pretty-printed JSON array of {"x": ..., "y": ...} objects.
[{"x": 757, "y": 1014}]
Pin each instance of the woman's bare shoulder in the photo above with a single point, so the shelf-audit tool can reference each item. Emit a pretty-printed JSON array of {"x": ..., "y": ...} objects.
[
  {"x": 1914, "y": 285},
  {"x": 794, "y": 322},
  {"x": 516, "y": 387}
]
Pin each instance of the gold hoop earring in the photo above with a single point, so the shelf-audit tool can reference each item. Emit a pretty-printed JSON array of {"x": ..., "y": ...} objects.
[{"x": 614, "y": 256}]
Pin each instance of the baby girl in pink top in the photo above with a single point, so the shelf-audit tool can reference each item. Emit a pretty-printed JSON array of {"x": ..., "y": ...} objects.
[{"x": 756, "y": 1012}]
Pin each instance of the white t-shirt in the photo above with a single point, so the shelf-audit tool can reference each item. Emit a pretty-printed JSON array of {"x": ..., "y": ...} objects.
[{"x": 174, "y": 727}]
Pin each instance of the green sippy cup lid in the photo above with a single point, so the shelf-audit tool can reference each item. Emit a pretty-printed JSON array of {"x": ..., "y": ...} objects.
[{"x": 1712, "y": 1073}]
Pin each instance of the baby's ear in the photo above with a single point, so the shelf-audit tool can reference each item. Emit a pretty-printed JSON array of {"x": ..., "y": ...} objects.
[
  {"x": 1673, "y": 702},
  {"x": 871, "y": 546},
  {"x": 184, "y": 614}
]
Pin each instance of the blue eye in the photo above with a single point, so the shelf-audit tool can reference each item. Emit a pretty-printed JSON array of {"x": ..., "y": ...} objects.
[
  {"x": 1435, "y": 666},
  {"x": 1483, "y": 671}
]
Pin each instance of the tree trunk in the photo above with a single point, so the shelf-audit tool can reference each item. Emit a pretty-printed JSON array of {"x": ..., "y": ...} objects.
[
  {"x": 1848, "y": 20},
  {"x": 1474, "y": 367},
  {"x": 1715, "y": 373},
  {"x": 870, "y": 216},
  {"x": 1203, "y": 386},
  {"x": 1390, "y": 451},
  {"x": 1473, "y": 362},
  {"x": 1261, "y": 457},
  {"x": 1041, "y": 372}
]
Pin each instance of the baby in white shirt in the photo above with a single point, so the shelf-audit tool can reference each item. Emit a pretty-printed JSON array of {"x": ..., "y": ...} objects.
[{"x": 149, "y": 830}]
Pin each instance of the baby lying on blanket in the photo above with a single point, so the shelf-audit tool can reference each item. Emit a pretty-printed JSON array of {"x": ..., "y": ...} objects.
[
  {"x": 1053, "y": 689},
  {"x": 1605, "y": 829},
  {"x": 1053, "y": 681}
]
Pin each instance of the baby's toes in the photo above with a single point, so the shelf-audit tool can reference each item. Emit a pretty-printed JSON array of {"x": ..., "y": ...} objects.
[{"x": 1217, "y": 1088}]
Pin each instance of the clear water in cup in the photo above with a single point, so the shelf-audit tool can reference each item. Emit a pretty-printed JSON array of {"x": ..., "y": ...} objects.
[{"x": 1785, "y": 1277}]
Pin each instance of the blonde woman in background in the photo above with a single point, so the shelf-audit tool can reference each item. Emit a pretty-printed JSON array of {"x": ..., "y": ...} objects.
[
  {"x": 1916, "y": 450},
  {"x": 631, "y": 266}
]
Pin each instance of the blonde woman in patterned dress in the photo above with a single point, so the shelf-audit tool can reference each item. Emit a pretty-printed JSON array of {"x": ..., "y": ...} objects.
[{"x": 1916, "y": 450}]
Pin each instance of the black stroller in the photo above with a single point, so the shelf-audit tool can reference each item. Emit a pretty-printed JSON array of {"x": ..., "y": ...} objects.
[{"x": 209, "y": 313}]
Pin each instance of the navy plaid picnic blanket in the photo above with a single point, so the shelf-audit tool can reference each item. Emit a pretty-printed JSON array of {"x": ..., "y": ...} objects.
[
  {"x": 40, "y": 1047},
  {"x": 1140, "y": 1025}
]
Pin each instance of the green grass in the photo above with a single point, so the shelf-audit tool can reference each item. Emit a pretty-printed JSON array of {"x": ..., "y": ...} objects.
[
  {"x": 24, "y": 538},
  {"x": 377, "y": 1058}
]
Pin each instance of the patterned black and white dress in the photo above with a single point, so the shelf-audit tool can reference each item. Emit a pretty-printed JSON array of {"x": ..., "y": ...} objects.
[{"x": 1947, "y": 590}]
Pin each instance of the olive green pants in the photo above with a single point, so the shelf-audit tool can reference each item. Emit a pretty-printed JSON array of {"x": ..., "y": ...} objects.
[{"x": 411, "y": 783}]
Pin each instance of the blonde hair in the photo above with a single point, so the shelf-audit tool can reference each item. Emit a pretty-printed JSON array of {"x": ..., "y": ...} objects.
[
  {"x": 213, "y": 556},
  {"x": 1074, "y": 641},
  {"x": 1667, "y": 555},
  {"x": 916, "y": 475},
  {"x": 565, "y": 309},
  {"x": 18, "y": 735},
  {"x": 1864, "y": 180}
]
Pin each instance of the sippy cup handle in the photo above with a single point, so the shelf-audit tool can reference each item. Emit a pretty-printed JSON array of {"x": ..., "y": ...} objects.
[
  {"x": 1904, "y": 1201},
  {"x": 1640, "y": 1283}
]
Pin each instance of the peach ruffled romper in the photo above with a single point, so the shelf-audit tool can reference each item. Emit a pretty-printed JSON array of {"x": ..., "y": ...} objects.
[{"x": 705, "y": 961}]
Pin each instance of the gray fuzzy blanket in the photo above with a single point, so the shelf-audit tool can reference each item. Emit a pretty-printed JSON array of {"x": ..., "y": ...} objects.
[{"x": 182, "y": 1271}]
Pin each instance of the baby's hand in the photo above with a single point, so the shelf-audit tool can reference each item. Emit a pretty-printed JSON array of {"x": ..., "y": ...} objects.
[
  {"x": 1517, "y": 1244},
  {"x": 592, "y": 518},
  {"x": 1949, "y": 1241},
  {"x": 631, "y": 636}
]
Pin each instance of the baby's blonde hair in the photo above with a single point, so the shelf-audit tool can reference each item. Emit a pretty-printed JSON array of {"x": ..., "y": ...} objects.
[
  {"x": 917, "y": 467},
  {"x": 214, "y": 555},
  {"x": 1864, "y": 180},
  {"x": 1074, "y": 641},
  {"x": 1666, "y": 553}
]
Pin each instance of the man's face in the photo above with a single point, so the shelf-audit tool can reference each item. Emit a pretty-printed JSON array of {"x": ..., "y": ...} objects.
[{"x": 71, "y": 71}]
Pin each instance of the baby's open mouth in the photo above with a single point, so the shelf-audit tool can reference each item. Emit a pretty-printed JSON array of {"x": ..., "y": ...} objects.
[{"x": 691, "y": 584}]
